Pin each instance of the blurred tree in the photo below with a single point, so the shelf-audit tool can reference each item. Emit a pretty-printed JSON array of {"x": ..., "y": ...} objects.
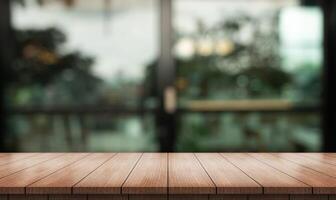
[
  {"x": 48, "y": 76},
  {"x": 244, "y": 61},
  {"x": 239, "y": 56},
  {"x": 308, "y": 83}
]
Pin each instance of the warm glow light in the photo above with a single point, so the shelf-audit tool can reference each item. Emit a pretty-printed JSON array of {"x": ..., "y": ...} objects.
[
  {"x": 224, "y": 47},
  {"x": 205, "y": 47},
  {"x": 185, "y": 48}
]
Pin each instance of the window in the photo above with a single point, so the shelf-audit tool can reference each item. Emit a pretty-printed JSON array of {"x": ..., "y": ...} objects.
[
  {"x": 248, "y": 56},
  {"x": 87, "y": 75},
  {"x": 76, "y": 61}
]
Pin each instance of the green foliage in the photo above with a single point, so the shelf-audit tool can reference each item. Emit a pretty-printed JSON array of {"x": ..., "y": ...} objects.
[
  {"x": 308, "y": 82},
  {"x": 48, "y": 76},
  {"x": 253, "y": 69},
  {"x": 257, "y": 61}
]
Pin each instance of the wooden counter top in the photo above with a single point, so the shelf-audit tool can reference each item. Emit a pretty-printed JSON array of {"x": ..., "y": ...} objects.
[{"x": 216, "y": 176}]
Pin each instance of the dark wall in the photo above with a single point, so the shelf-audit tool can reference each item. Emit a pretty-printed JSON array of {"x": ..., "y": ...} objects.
[
  {"x": 329, "y": 77},
  {"x": 5, "y": 60}
]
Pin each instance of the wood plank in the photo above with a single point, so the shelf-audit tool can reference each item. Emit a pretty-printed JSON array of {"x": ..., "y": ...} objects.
[
  {"x": 187, "y": 176},
  {"x": 321, "y": 183},
  {"x": 67, "y": 197},
  {"x": 149, "y": 175},
  {"x": 228, "y": 197},
  {"x": 61, "y": 182},
  {"x": 330, "y": 154},
  {"x": 12, "y": 157},
  {"x": 11, "y": 168},
  {"x": 190, "y": 176},
  {"x": 117, "y": 168},
  {"x": 324, "y": 168},
  {"x": 268, "y": 197},
  {"x": 309, "y": 197},
  {"x": 228, "y": 178},
  {"x": 273, "y": 181},
  {"x": 29, "y": 197},
  {"x": 3, "y": 197},
  {"x": 189, "y": 197},
  {"x": 107, "y": 197},
  {"x": 148, "y": 197},
  {"x": 332, "y": 197},
  {"x": 321, "y": 157},
  {"x": 16, "y": 183}
]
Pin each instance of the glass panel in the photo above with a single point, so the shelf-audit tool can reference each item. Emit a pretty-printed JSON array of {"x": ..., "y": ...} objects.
[
  {"x": 96, "y": 50},
  {"x": 248, "y": 49},
  {"x": 248, "y": 55},
  {"x": 82, "y": 133},
  {"x": 80, "y": 56},
  {"x": 249, "y": 132}
]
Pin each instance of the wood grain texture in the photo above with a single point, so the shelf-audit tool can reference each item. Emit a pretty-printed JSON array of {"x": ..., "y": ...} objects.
[
  {"x": 332, "y": 197},
  {"x": 5, "y": 154},
  {"x": 16, "y": 183},
  {"x": 10, "y": 168},
  {"x": 321, "y": 183},
  {"x": 28, "y": 197},
  {"x": 321, "y": 157},
  {"x": 309, "y": 197},
  {"x": 138, "y": 176},
  {"x": 268, "y": 197},
  {"x": 61, "y": 182},
  {"x": 148, "y": 197},
  {"x": 107, "y": 197},
  {"x": 3, "y": 197},
  {"x": 187, "y": 176},
  {"x": 316, "y": 165},
  {"x": 228, "y": 197},
  {"x": 6, "y": 158},
  {"x": 228, "y": 178},
  {"x": 67, "y": 197},
  {"x": 189, "y": 197},
  {"x": 330, "y": 154},
  {"x": 273, "y": 181},
  {"x": 108, "y": 178},
  {"x": 149, "y": 176}
]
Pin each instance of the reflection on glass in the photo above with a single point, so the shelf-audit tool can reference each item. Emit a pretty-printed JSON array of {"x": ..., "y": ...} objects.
[
  {"x": 245, "y": 49},
  {"x": 96, "y": 50},
  {"x": 82, "y": 55},
  {"x": 249, "y": 132},
  {"x": 82, "y": 133},
  {"x": 248, "y": 55}
]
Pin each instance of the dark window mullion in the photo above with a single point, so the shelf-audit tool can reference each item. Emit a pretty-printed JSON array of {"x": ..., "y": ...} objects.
[
  {"x": 165, "y": 120},
  {"x": 329, "y": 80}
]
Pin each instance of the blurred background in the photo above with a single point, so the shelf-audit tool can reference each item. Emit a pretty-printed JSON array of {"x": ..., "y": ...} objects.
[{"x": 167, "y": 75}]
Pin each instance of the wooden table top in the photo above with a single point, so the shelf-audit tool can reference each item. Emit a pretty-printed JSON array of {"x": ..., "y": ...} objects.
[{"x": 167, "y": 173}]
